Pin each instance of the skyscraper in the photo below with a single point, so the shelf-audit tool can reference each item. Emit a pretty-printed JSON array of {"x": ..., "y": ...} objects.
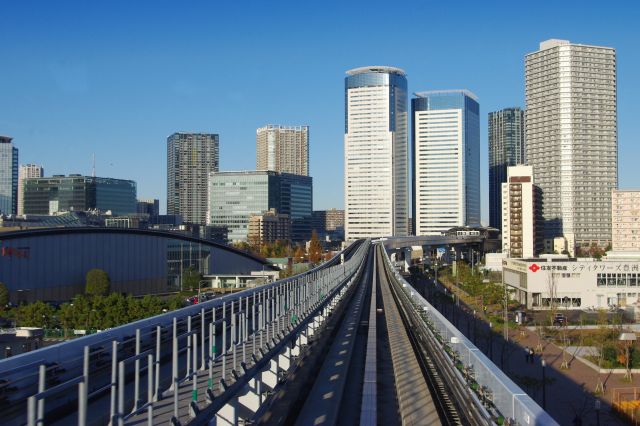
[
  {"x": 376, "y": 152},
  {"x": 506, "y": 148},
  {"x": 26, "y": 171},
  {"x": 283, "y": 149},
  {"x": 446, "y": 160},
  {"x": 571, "y": 134},
  {"x": 190, "y": 159},
  {"x": 8, "y": 176}
]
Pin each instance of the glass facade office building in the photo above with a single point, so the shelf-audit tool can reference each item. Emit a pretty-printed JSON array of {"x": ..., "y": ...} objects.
[
  {"x": 75, "y": 192},
  {"x": 446, "y": 160},
  {"x": 235, "y": 196},
  {"x": 376, "y": 153},
  {"x": 506, "y": 148},
  {"x": 8, "y": 176}
]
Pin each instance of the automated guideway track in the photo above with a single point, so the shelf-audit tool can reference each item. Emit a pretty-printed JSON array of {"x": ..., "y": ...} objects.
[{"x": 370, "y": 373}]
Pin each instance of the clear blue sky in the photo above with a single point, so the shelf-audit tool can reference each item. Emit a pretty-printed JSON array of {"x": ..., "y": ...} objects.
[{"x": 117, "y": 78}]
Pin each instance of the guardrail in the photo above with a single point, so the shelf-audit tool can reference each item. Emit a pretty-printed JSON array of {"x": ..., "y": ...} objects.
[
  {"x": 491, "y": 387},
  {"x": 247, "y": 327}
]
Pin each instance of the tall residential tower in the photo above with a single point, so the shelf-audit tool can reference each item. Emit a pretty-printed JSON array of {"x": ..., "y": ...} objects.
[
  {"x": 506, "y": 148},
  {"x": 376, "y": 152},
  {"x": 446, "y": 160},
  {"x": 8, "y": 176},
  {"x": 190, "y": 159},
  {"x": 572, "y": 143},
  {"x": 283, "y": 149}
]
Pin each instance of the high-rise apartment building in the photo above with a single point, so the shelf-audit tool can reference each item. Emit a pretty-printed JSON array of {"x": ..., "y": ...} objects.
[
  {"x": 26, "y": 171},
  {"x": 571, "y": 138},
  {"x": 190, "y": 159},
  {"x": 59, "y": 193},
  {"x": 235, "y": 196},
  {"x": 521, "y": 214},
  {"x": 506, "y": 148},
  {"x": 8, "y": 176},
  {"x": 283, "y": 149},
  {"x": 446, "y": 160},
  {"x": 625, "y": 215},
  {"x": 269, "y": 227},
  {"x": 376, "y": 152}
]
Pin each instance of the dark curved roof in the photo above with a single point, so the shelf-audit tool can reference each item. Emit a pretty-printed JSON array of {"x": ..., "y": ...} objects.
[{"x": 41, "y": 232}]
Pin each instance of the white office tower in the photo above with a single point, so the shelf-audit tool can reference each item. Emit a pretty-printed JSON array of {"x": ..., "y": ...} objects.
[
  {"x": 26, "y": 171},
  {"x": 520, "y": 214},
  {"x": 446, "y": 161},
  {"x": 376, "y": 153},
  {"x": 571, "y": 138}
]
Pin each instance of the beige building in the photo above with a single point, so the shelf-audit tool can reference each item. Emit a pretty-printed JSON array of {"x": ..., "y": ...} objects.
[
  {"x": 283, "y": 149},
  {"x": 26, "y": 171},
  {"x": 625, "y": 223},
  {"x": 521, "y": 202},
  {"x": 268, "y": 228}
]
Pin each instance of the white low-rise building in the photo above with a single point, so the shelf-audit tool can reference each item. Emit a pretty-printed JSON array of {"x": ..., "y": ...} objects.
[{"x": 573, "y": 283}]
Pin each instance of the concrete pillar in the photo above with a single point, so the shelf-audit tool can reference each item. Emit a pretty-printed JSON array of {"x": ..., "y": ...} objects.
[
  {"x": 227, "y": 415},
  {"x": 270, "y": 376}
]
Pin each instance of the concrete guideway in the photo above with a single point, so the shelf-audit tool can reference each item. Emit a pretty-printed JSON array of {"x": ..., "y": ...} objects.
[{"x": 416, "y": 406}]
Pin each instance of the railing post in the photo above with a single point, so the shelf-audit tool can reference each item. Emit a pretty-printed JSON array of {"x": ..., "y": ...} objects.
[
  {"x": 82, "y": 403},
  {"x": 157, "y": 395},
  {"x": 194, "y": 391},
  {"x": 121, "y": 393},
  {"x": 114, "y": 381},
  {"x": 188, "y": 346},
  {"x": 150, "y": 396},
  {"x": 31, "y": 411},
  {"x": 224, "y": 349},
  {"x": 174, "y": 360},
  {"x": 42, "y": 377},
  {"x": 85, "y": 371},
  {"x": 136, "y": 386},
  {"x": 203, "y": 334}
]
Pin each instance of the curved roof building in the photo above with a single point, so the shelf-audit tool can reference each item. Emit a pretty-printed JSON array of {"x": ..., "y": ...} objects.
[{"x": 51, "y": 264}]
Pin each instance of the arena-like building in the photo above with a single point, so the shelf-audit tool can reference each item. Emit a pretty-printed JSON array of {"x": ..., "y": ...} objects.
[{"x": 51, "y": 264}]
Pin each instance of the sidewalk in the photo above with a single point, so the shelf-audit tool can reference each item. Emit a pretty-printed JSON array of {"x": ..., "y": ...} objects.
[{"x": 569, "y": 393}]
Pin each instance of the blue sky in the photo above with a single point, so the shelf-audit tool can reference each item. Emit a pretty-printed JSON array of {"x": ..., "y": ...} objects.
[{"x": 116, "y": 78}]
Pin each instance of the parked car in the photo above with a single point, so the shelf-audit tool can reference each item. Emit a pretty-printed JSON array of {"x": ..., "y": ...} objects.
[{"x": 560, "y": 320}]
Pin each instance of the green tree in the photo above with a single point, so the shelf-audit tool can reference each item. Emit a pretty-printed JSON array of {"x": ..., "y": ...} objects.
[
  {"x": 191, "y": 278},
  {"x": 98, "y": 283},
  {"x": 37, "y": 314},
  {"x": 4, "y": 295},
  {"x": 315, "y": 248}
]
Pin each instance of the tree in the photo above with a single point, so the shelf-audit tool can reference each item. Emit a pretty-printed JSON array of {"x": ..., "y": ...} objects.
[
  {"x": 191, "y": 278},
  {"x": 98, "y": 283},
  {"x": 299, "y": 254},
  {"x": 315, "y": 248},
  {"x": 4, "y": 295}
]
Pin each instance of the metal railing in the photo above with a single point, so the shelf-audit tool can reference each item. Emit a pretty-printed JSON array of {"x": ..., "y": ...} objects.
[
  {"x": 243, "y": 329},
  {"x": 491, "y": 386}
]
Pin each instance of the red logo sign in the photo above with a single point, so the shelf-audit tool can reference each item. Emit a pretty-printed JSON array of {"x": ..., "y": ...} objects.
[
  {"x": 22, "y": 252},
  {"x": 534, "y": 268}
]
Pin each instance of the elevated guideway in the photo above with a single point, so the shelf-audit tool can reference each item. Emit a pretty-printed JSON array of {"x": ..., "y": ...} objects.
[{"x": 349, "y": 342}]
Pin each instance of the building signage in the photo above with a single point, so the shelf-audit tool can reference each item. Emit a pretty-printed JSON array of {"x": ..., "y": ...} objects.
[
  {"x": 534, "y": 267},
  {"x": 22, "y": 252}
]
